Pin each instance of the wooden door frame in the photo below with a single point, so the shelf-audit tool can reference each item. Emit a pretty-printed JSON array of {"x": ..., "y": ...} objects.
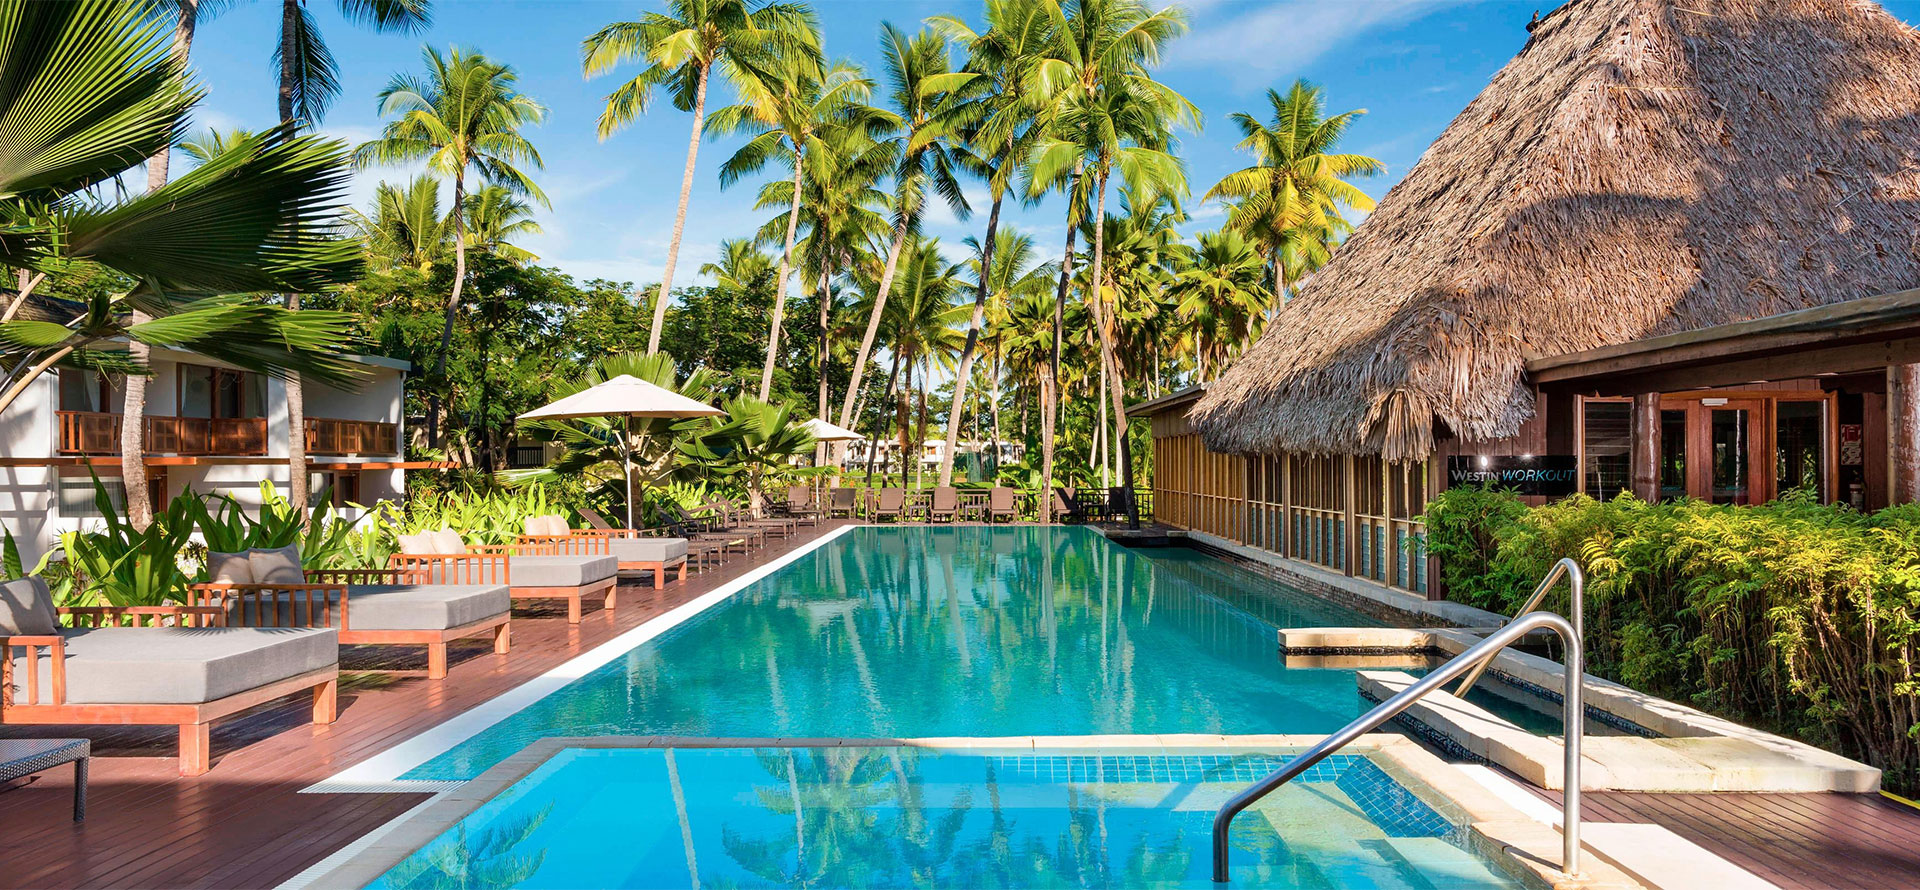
[{"x": 1763, "y": 424}]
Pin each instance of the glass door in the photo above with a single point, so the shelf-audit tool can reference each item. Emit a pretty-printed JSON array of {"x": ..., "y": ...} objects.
[{"x": 1736, "y": 472}]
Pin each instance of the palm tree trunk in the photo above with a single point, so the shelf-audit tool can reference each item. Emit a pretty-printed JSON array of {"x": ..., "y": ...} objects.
[
  {"x": 873, "y": 319},
  {"x": 1049, "y": 395},
  {"x": 133, "y": 416},
  {"x": 823, "y": 450},
  {"x": 963, "y": 375},
  {"x": 1109, "y": 359},
  {"x": 873, "y": 440},
  {"x": 453, "y": 305},
  {"x": 296, "y": 390},
  {"x": 680, "y": 215},
  {"x": 780, "y": 285}
]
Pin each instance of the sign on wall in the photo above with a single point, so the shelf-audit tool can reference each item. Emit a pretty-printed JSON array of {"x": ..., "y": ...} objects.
[{"x": 1546, "y": 475}]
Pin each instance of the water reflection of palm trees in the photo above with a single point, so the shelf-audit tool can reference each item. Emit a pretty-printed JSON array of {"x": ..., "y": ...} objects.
[{"x": 482, "y": 860}]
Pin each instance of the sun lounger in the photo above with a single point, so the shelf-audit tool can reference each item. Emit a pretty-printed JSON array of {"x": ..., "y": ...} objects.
[
  {"x": 800, "y": 506},
  {"x": 892, "y": 503},
  {"x": 368, "y": 607},
  {"x": 635, "y": 553},
  {"x": 946, "y": 504},
  {"x": 733, "y": 516},
  {"x": 183, "y": 668},
  {"x": 842, "y": 502},
  {"x": 1001, "y": 503},
  {"x": 1064, "y": 506},
  {"x": 699, "y": 550},
  {"x": 571, "y": 570}
]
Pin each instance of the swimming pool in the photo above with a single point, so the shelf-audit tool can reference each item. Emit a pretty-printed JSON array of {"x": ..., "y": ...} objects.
[
  {"x": 960, "y": 631},
  {"x": 908, "y": 817}
]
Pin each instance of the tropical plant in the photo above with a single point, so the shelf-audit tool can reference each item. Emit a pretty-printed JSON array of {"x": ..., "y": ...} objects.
[
  {"x": 1219, "y": 297},
  {"x": 681, "y": 47},
  {"x": 756, "y": 441},
  {"x": 1298, "y": 182},
  {"x": 121, "y": 565},
  {"x": 86, "y": 88},
  {"x": 495, "y": 516},
  {"x": 465, "y": 115},
  {"x": 326, "y": 539},
  {"x": 919, "y": 75},
  {"x": 495, "y": 215}
]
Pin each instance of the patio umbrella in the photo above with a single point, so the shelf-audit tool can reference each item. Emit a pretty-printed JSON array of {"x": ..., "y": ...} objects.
[
  {"x": 822, "y": 431},
  {"x": 626, "y": 397}
]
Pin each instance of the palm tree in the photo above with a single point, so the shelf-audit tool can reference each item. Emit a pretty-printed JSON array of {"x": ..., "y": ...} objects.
[
  {"x": 309, "y": 81},
  {"x": 1101, "y": 51},
  {"x": 85, "y": 87},
  {"x": 1011, "y": 280},
  {"x": 680, "y": 48},
  {"x": 465, "y": 114},
  {"x": 919, "y": 74},
  {"x": 407, "y": 229},
  {"x": 494, "y": 215},
  {"x": 1220, "y": 296},
  {"x": 1297, "y": 178},
  {"x": 993, "y": 112},
  {"x": 795, "y": 115}
]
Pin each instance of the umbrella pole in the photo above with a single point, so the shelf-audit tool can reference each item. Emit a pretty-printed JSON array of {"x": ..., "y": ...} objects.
[{"x": 626, "y": 463}]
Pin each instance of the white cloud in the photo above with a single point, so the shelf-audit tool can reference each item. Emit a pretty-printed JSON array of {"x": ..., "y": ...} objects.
[{"x": 1277, "y": 40}]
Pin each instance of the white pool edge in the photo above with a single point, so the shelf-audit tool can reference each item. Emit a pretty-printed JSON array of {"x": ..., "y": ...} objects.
[{"x": 382, "y": 772}]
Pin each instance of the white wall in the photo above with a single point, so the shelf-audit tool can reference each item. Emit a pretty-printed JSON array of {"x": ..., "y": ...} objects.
[{"x": 28, "y": 430}]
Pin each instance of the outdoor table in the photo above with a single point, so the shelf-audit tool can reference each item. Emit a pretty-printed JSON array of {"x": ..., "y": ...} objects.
[
  {"x": 20, "y": 758},
  {"x": 973, "y": 504}
]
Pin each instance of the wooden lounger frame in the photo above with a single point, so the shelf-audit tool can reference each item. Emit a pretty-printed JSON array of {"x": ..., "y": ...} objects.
[
  {"x": 257, "y": 605},
  {"x": 487, "y": 564},
  {"x": 604, "y": 538},
  {"x": 194, "y": 720}
]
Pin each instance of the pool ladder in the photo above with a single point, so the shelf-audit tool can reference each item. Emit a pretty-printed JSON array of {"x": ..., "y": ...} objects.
[{"x": 1473, "y": 663}]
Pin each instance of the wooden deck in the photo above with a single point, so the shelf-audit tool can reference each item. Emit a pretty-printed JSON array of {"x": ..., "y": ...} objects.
[
  {"x": 1797, "y": 841},
  {"x": 244, "y": 824}
]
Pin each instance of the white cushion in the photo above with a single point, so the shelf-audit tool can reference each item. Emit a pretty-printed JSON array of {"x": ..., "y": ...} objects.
[
  {"x": 419, "y": 542},
  {"x": 280, "y": 565},
  {"x": 557, "y": 526},
  {"x": 448, "y": 541},
  {"x": 229, "y": 568},
  {"x": 534, "y": 525}
]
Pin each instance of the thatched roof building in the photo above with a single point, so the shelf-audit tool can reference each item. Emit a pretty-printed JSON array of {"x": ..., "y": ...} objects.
[{"x": 1642, "y": 167}]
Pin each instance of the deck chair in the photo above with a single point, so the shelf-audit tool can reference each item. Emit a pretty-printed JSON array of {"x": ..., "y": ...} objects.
[
  {"x": 699, "y": 551},
  {"x": 152, "y": 665},
  {"x": 946, "y": 504},
  {"x": 842, "y": 501},
  {"x": 892, "y": 503},
  {"x": 736, "y": 518},
  {"x": 800, "y": 506},
  {"x": 659, "y": 555},
  {"x": 710, "y": 528},
  {"x": 1001, "y": 503},
  {"x": 1064, "y": 505},
  {"x": 370, "y": 607}
]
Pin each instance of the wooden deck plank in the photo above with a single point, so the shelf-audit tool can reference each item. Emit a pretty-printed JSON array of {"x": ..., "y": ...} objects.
[
  {"x": 1797, "y": 841},
  {"x": 244, "y": 824}
]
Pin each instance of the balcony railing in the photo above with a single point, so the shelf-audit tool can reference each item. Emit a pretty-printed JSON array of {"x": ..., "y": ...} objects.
[
  {"x": 329, "y": 436},
  {"x": 96, "y": 432}
]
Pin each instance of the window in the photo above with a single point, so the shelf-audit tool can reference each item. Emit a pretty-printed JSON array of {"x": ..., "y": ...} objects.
[
  {"x": 85, "y": 391},
  {"x": 1799, "y": 432},
  {"x": 1673, "y": 454},
  {"x": 1605, "y": 442},
  {"x": 1730, "y": 455},
  {"x": 220, "y": 392},
  {"x": 77, "y": 492}
]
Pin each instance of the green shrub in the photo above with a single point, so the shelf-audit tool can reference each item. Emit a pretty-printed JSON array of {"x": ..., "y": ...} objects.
[{"x": 1792, "y": 615}]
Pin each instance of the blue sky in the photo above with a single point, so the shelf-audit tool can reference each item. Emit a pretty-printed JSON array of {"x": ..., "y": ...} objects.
[{"x": 1413, "y": 64}]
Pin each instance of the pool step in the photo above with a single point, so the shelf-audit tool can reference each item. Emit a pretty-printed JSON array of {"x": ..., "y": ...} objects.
[{"x": 1440, "y": 864}]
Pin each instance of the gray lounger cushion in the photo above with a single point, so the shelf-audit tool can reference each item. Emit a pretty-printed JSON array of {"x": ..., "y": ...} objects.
[
  {"x": 424, "y": 606},
  {"x": 26, "y": 609},
  {"x": 280, "y": 565},
  {"x": 229, "y": 568},
  {"x": 560, "y": 571},
  {"x": 180, "y": 665},
  {"x": 663, "y": 550}
]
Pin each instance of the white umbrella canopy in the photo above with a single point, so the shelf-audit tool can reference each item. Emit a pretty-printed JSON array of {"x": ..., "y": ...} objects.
[
  {"x": 628, "y": 397},
  {"x": 822, "y": 431}
]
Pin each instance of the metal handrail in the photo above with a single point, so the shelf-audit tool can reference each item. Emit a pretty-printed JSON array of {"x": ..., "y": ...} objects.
[
  {"x": 1573, "y": 716},
  {"x": 1576, "y": 592}
]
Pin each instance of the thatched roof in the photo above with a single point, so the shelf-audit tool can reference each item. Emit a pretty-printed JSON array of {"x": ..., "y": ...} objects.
[{"x": 1641, "y": 167}]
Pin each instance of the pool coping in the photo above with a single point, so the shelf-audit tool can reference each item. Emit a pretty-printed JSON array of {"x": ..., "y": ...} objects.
[
  {"x": 1520, "y": 845},
  {"x": 381, "y": 773}
]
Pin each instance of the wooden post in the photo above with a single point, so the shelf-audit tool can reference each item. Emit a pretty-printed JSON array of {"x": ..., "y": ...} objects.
[
  {"x": 1351, "y": 537},
  {"x": 1903, "y": 434},
  {"x": 1644, "y": 453},
  {"x": 1285, "y": 463}
]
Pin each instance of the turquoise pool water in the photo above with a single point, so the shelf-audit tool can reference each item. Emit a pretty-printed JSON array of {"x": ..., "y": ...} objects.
[
  {"x": 904, "y": 817},
  {"x": 964, "y": 631}
]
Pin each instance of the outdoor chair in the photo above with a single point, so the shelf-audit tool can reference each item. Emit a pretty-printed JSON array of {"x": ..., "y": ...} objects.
[
  {"x": 842, "y": 501},
  {"x": 173, "y": 665},
  {"x": 1064, "y": 506},
  {"x": 569, "y": 570},
  {"x": 710, "y": 529},
  {"x": 732, "y": 517},
  {"x": 366, "y": 607},
  {"x": 1118, "y": 497},
  {"x": 1001, "y": 503},
  {"x": 800, "y": 505},
  {"x": 657, "y": 555},
  {"x": 946, "y": 504},
  {"x": 892, "y": 504}
]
